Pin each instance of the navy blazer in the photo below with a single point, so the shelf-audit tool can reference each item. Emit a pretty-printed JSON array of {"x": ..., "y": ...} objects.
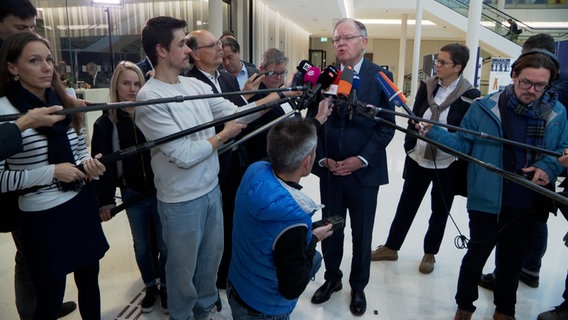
[{"x": 357, "y": 135}]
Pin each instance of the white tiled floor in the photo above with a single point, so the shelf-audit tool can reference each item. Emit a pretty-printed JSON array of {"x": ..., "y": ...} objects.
[{"x": 397, "y": 291}]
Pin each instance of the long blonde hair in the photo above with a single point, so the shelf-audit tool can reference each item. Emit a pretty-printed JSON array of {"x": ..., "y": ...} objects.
[{"x": 113, "y": 91}]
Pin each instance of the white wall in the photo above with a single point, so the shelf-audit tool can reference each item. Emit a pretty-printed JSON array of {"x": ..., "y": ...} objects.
[{"x": 273, "y": 30}]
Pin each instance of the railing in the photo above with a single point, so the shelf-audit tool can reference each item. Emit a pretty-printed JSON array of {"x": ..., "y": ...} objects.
[{"x": 496, "y": 21}]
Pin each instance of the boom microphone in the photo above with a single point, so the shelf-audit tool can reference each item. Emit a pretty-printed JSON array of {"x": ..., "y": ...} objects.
[
  {"x": 303, "y": 67},
  {"x": 395, "y": 95}
]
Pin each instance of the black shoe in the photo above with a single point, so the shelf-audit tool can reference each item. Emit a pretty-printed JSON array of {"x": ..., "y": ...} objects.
[
  {"x": 529, "y": 280},
  {"x": 149, "y": 299},
  {"x": 487, "y": 281},
  {"x": 66, "y": 308},
  {"x": 358, "y": 304},
  {"x": 324, "y": 292}
]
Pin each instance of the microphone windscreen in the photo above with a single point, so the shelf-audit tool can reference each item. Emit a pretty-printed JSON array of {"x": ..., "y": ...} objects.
[
  {"x": 345, "y": 82},
  {"x": 312, "y": 75},
  {"x": 395, "y": 95},
  {"x": 327, "y": 76},
  {"x": 356, "y": 81},
  {"x": 332, "y": 89},
  {"x": 303, "y": 66},
  {"x": 336, "y": 80}
]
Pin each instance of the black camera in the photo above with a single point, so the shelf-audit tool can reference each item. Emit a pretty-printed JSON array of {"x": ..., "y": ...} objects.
[{"x": 336, "y": 221}]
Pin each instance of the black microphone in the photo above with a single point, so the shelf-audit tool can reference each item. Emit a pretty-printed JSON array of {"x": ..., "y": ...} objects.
[
  {"x": 324, "y": 80},
  {"x": 303, "y": 67}
]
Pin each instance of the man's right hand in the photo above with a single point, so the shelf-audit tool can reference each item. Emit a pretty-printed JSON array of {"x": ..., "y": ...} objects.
[
  {"x": 232, "y": 129},
  {"x": 323, "y": 231},
  {"x": 39, "y": 117}
]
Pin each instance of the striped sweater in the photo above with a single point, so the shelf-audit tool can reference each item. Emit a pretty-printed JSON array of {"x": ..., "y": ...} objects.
[{"x": 30, "y": 168}]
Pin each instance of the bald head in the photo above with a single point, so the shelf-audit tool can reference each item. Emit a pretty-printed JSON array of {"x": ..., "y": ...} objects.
[{"x": 207, "y": 52}]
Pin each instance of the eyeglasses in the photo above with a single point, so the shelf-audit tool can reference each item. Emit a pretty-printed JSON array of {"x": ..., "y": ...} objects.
[
  {"x": 274, "y": 74},
  {"x": 215, "y": 44},
  {"x": 525, "y": 84},
  {"x": 348, "y": 38},
  {"x": 442, "y": 62}
]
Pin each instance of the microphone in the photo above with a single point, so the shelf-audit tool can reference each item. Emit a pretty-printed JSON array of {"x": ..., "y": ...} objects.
[
  {"x": 345, "y": 83},
  {"x": 332, "y": 89},
  {"x": 323, "y": 81},
  {"x": 355, "y": 89},
  {"x": 303, "y": 67},
  {"x": 312, "y": 75},
  {"x": 395, "y": 95}
]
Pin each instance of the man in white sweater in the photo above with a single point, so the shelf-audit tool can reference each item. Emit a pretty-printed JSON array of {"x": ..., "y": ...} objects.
[{"x": 189, "y": 200}]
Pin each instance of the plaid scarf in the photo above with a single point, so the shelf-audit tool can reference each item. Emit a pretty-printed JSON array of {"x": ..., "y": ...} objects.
[{"x": 536, "y": 114}]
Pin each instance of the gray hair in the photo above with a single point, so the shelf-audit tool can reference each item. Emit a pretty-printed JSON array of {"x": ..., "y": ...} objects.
[
  {"x": 289, "y": 142},
  {"x": 272, "y": 56},
  {"x": 359, "y": 25}
]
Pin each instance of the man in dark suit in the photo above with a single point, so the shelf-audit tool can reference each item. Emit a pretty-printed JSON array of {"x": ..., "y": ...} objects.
[
  {"x": 232, "y": 62},
  {"x": 95, "y": 78},
  {"x": 206, "y": 56},
  {"x": 146, "y": 67},
  {"x": 352, "y": 164}
]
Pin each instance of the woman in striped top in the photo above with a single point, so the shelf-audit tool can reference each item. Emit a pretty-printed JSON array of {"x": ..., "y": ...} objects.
[{"x": 60, "y": 226}]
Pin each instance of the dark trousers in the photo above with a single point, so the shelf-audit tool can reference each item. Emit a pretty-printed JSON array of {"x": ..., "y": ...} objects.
[
  {"x": 50, "y": 294},
  {"x": 229, "y": 183},
  {"x": 511, "y": 233},
  {"x": 416, "y": 183},
  {"x": 24, "y": 288},
  {"x": 340, "y": 194}
]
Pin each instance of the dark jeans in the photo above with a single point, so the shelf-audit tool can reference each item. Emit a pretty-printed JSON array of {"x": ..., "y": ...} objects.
[
  {"x": 511, "y": 233},
  {"x": 50, "y": 295},
  {"x": 416, "y": 183}
]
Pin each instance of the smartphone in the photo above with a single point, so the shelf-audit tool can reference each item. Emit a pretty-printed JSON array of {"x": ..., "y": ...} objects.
[{"x": 266, "y": 73}]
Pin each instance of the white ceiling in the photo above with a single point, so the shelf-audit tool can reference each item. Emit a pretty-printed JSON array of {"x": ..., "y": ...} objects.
[{"x": 319, "y": 16}]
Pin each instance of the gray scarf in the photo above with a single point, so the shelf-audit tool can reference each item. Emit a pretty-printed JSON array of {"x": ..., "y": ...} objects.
[{"x": 431, "y": 85}]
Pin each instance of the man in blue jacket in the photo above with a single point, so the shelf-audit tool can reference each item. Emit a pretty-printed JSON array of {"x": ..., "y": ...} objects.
[
  {"x": 503, "y": 213},
  {"x": 274, "y": 254}
]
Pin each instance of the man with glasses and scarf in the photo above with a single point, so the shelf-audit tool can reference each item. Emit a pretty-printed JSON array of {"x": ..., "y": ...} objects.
[{"x": 503, "y": 213}]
